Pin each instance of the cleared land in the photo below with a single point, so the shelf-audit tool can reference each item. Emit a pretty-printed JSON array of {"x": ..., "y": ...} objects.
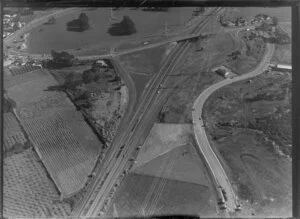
[
  {"x": 168, "y": 171},
  {"x": 66, "y": 144},
  {"x": 249, "y": 126},
  {"x": 28, "y": 192}
]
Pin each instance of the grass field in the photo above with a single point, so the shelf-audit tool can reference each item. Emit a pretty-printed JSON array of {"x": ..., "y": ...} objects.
[
  {"x": 28, "y": 192},
  {"x": 59, "y": 133},
  {"x": 162, "y": 139},
  {"x": 249, "y": 125},
  {"x": 168, "y": 178},
  {"x": 171, "y": 197},
  {"x": 147, "y": 61},
  {"x": 283, "y": 53}
]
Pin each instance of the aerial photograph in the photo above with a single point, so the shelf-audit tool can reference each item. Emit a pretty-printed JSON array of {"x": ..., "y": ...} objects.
[{"x": 122, "y": 112}]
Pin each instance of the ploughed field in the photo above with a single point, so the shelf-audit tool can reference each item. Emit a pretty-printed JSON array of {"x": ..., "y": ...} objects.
[
  {"x": 249, "y": 126},
  {"x": 28, "y": 192},
  {"x": 65, "y": 143},
  {"x": 14, "y": 137},
  {"x": 168, "y": 177}
]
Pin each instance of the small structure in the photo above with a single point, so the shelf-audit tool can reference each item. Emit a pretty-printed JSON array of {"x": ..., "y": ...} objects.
[
  {"x": 222, "y": 72},
  {"x": 102, "y": 63},
  {"x": 281, "y": 67}
]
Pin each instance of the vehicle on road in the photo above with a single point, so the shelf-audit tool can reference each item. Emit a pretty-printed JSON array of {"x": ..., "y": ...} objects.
[
  {"x": 221, "y": 201},
  {"x": 238, "y": 207},
  {"x": 224, "y": 194},
  {"x": 223, "y": 207},
  {"x": 146, "y": 43}
]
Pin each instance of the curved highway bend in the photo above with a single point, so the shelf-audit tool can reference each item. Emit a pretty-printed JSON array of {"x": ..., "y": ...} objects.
[{"x": 215, "y": 166}]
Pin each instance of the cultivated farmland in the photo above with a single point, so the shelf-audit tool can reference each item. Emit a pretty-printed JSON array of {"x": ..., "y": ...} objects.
[
  {"x": 28, "y": 192},
  {"x": 12, "y": 132},
  {"x": 65, "y": 143}
]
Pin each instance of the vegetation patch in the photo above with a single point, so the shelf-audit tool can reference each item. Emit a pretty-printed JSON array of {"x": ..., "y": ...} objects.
[
  {"x": 78, "y": 25},
  {"x": 249, "y": 125},
  {"x": 123, "y": 28}
]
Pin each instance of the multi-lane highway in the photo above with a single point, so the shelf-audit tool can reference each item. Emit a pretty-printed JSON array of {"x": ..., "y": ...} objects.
[
  {"x": 212, "y": 160},
  {"x": 126, "y": 144}
]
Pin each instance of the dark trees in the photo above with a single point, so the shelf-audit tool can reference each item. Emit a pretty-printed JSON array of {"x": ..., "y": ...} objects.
[{"x": 125, "y": 27}]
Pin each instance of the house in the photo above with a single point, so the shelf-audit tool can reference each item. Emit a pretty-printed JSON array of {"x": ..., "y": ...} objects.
[
  {"x": 222, "y": 72},
  {"x": 283, "y": 67},
  {"x": 102, "y": 63}
]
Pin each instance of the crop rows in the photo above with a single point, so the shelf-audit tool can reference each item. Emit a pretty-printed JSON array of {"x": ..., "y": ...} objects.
[
  {"x": 61, "y": 151},
  {"x": 23, "y": 69},
  {"x": 27, "y": 190},
  {"x": 12, "y": 131},
  {"x": 38, "y": 107},
  {"x": 19, "y": 80}
]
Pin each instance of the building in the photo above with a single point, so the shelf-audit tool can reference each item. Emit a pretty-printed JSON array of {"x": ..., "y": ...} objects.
[
  {"x": 283, "y": 67},
  {"x": 222, "y": 72},
  {"x": 101, "y": 63}
]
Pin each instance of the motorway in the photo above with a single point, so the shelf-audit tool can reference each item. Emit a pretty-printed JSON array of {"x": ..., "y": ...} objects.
[
  {"x": 213, "y": 162},
  {"x": 126, "y": 145}
]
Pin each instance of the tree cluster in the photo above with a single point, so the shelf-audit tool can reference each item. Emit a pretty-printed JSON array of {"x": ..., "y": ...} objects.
[
  {"x": 80, "y": 24},
  {"x": 61, "y": 59},
  {"x": 125, "y": 27}
]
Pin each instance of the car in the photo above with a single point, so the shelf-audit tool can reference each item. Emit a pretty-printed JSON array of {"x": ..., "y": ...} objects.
[
  {"x": 146, "y": 43},
  {"x": 238, "y": 207},
  {"x": 223, "y": 207}
]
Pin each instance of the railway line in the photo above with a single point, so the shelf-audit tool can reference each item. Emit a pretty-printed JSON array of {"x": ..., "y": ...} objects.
[{"x": 116, "y": 169}]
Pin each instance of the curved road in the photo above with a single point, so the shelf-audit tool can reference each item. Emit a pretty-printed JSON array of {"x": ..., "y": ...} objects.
[
  {"x": 214, "y": 164},
  {"x": 37, "y": 22}
]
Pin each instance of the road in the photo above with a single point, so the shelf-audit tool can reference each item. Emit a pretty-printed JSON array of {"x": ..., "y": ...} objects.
[
  {"x": 129, "y": 140},
  {"x": 115, "y": 53},
  {"x": 213, "y": 162}
]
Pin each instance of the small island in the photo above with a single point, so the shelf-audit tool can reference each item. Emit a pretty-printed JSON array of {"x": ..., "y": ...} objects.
[
  {"x": 79, "y": 25},
  {"x": 125, "y": 27}
]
